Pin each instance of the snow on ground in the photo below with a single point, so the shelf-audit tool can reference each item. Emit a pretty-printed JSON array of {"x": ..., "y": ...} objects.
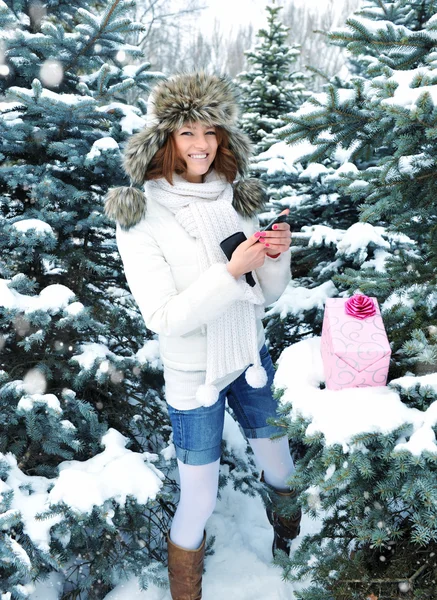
[{"x": 241, "y": 567}]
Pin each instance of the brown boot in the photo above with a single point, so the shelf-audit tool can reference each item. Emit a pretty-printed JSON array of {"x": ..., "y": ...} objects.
[
  {"x": 185, "y": 570},
  {"x": 285, "y": 529}
]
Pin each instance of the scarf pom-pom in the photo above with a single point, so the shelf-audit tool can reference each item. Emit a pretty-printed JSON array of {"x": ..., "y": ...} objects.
[
  {"x": 256, "y": 377},
  {"x": 207, "y": 395}
]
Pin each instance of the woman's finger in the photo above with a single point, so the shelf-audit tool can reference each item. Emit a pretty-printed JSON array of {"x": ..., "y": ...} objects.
[{"x": 277, "y": 237}]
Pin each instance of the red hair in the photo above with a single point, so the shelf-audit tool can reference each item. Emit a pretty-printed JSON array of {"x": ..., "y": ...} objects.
[{"x": 167, "y": 161}]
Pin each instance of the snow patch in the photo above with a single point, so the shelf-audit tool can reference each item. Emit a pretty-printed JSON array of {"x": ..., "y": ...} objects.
[
  {"x": 320, "y": 234},
  {"x": 90, "y": 353},
  {"x": 39, "y": 227},
  {"x": 100, "y": 146},
  {"x": 115, "y": 473},
  {"x": 313, "y": 171},
  {"x": 74, "y": 308},
  {"x": 358, "y": 237},
  {"x": 283, "y": 157},
  {"x": 27, "y": 403},
  {"x": 51, "y": 299},
  {"x": 149, "y": 354},
  {"x": 132, "y": 120},
  {"x": 296, "y": 299}
]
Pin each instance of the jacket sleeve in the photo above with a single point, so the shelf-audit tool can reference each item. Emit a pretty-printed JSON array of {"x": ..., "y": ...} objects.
[
  {"x": 164, "y": 309},
  {"x": 275, "y": 274}
]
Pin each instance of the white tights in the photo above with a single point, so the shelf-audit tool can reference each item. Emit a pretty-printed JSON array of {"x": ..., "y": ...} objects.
[{"x": 199, "y": 486}]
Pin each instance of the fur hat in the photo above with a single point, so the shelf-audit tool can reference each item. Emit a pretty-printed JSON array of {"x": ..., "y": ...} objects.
[{"x": 183, "y": 98}]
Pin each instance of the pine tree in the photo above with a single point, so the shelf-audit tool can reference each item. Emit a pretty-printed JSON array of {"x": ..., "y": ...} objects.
[
  {"x": 269, "y": 89},
  {"x": 378, "y": 505},
  {"x": 76, "y": 357}
]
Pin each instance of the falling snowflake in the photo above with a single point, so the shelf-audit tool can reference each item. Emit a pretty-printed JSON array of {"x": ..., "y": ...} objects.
[
  {"x": 314, "y": 501},
  {"x": 51, "y": 73},
  {"x": 404, "y": 587},
  {"x": 121, "y": 56},
  {"x": 4, "y": 69},
  {"x": 35, "y": 382},
  {"x": 37, "y": 12},
  {"x": 104, "y": 366},
  {"x": 117, "y": 376}
]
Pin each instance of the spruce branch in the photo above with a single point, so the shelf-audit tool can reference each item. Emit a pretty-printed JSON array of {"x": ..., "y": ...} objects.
[
  {"x": 94, "y": 39},
  {"x": 388, "y": 580}
]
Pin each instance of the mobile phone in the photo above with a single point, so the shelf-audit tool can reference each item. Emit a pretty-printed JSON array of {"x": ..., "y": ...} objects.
[
  {"x": 278, "y": 219},
  {"x": 228, "y": 246}
]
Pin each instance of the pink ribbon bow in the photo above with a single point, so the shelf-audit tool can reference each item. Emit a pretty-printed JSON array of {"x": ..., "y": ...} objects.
[{"x": 360, "y": 307}]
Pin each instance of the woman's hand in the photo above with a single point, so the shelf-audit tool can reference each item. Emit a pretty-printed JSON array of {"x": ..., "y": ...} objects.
[
  {"x": 279, "y": 239},
  {"x": 248, "y": 256}
]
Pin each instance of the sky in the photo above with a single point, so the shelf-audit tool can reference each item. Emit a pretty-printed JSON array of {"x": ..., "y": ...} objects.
[
  {"x": 230, "y": 12},
  {"x": 236, "y": 12}
]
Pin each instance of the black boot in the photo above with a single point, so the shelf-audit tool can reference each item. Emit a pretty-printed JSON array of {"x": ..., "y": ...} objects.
[{"x": 285, "y": 529}]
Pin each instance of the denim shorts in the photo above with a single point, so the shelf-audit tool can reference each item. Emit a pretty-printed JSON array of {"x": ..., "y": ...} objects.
[{"x": 197, "y": 433}]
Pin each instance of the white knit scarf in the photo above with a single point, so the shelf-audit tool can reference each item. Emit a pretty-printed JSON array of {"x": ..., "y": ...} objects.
[{"x": 205, "y": 211}]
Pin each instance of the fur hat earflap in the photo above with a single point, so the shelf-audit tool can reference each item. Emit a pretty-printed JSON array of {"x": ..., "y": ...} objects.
[
  {"x": 126, "y": 205},
  {"x": 187, "y": 97},
  {"x": 250, "y": 197}
]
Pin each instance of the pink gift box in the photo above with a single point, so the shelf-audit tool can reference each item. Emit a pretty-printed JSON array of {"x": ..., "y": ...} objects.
[{"x": 355, "y": 351}]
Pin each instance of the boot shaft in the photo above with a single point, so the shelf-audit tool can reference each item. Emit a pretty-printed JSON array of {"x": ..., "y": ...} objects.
[{"x": 185, "y": 570}]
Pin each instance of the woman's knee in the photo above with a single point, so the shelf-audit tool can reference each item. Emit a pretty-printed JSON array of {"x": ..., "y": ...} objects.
[
  {"x": 207, "y": 503},
  {"x": 199, "y": 487},
  {"x": 202, "y": 498}
]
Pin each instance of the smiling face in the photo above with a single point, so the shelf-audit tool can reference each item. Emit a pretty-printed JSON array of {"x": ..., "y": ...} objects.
[{"x": 196, "y": 144}]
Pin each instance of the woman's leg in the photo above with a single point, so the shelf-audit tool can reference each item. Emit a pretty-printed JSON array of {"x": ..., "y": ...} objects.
[
  {"x": 273, "y": 457},
  {"x": 253, "y": 407},
  {"x": 199, "y": 486}
]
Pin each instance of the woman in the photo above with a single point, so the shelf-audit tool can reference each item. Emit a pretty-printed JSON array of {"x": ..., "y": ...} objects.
[{"x": 207, "y": 316}]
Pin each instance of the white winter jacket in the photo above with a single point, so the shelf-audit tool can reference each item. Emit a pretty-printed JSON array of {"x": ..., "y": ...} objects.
[{"x": 175, "y": 297}]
